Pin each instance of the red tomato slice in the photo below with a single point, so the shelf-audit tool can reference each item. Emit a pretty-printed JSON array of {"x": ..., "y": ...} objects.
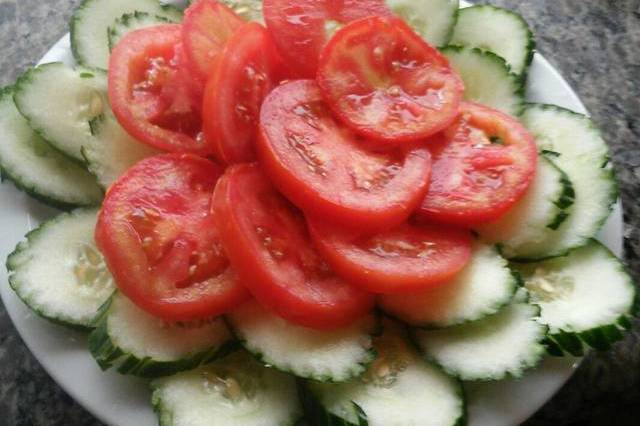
[
  {"x": 327, "y": 171},
  {"x": 206, "y": 27},
  {"x": 408, "y": 258},
  {"x": 302, "y": 28},
  {"x": 161, "y": 243},
  {"x": 267, "y": 242},
  {"x": 150, "y": 93},
  {"x": 247, "y": 69},
  {"x": 385, "y": 82},
  {"x": 483, "y": 164}
]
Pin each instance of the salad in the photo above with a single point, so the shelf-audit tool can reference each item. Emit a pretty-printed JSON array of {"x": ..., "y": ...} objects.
[{"x": 331, "y": 212}]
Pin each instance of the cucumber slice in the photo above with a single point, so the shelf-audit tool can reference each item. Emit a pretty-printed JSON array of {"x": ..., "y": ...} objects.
[
  {"x": 91, "y": 20},
  {"x": 486, "y": 78},
  {"x": 398, "y": 389},
  {"x": 578, "y": 149},
  {"x": 497, "y": 30},
  {"x": 251, "y": 10},
  {"x": 58, "y": 103},
  {"x": 37, "y": 168},
  {"x": 131, "y": 22},
  {"x": 481, "y": 289},
  {"x": 432, "y": 19},
  {"x": 233, "y": 391},
  {"x": 586, "y": 297},
  {"x": 111, "y": 151},
  {"x": 545, "y": 207},
  {"x": 59, "y": 273},
  {"x": 502, "y": 345},
  {"x": 334, "y": 356},
  {"x": 142, "y": 345}
]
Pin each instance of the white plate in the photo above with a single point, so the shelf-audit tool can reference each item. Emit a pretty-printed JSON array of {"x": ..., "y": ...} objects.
[{"x": 122, "y": 401}]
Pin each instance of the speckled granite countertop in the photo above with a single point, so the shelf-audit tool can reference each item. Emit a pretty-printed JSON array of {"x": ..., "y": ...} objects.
[{"x": 594, "y": 43}]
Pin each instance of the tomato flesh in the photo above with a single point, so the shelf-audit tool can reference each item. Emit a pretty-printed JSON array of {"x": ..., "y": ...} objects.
[
  {"x": 483, "y": 164},
  {"x": 151, "y": 94},
  {"x": 206, "y": 27},
  {"x": 161, "y": 243},
  {"x": 248, "y": 68},
  {"x": 408, "y": 258},
  {"x": 385, "y": 82},
  {"x": 326, "y": 170},
  {"x": 302, "y": 28},
  {"x": 268, "y": 244}
]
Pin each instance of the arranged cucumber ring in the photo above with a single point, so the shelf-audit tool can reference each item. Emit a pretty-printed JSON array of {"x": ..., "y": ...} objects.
[
  {"x": 91, "y": 20},
  {"x": 131, "y": 22},
  {"x": 482, "y": 288},
  {"x": 235, "y": 390},
  {"x": 327, "y": 356},
  {"x": 502, "y": 345},
  {"x": 434, "y": 20},
  {"x": 487, "y": 78},
  {"x": 111, "y": 150},
  {"x": 497, "y": 30},
  {"x": 59, "y": 273},
  {"x": 545, "y": 207},
  {"x": 578, "y": 149},
  {"x": 398, "y": 389},
  {"x": 586, "y": 298},
  {"x": 145, "y": 346},
  {"x": 37, "y": 168},
  {"x": 58, "y": 102}
]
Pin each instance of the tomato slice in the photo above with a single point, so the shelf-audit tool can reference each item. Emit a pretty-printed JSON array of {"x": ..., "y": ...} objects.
[
  {"x": 150, "y": 93},
  {"x": 407, "y": 258},
  {"x": 302, "y": 28},
  {"x": 206, "y": 27},
  {"x": 268, "y": 244},
  {"x": 248, "y": 68},
  {"x": 483, "y": 164},
  {"x": 326, "y": 170},
  {"x": 161, "y": 243},
  {"x": 385, "y": 82}
]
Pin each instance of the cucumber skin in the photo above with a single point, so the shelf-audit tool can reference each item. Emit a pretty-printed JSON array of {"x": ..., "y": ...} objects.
[
  {"x": 610, "y": 176},
  {"x": 531, "y": 41},
  {"x": 11, "y": 267},
  {"x": 74, "y": 21},
  {"x": 31, "y": 191},
  {"x": 519, "y": 86},
  {"x": 316, "y": 415},
  {"x": 567, "y": 342},
  {"x": 125, "y": 19},
  {"x": 372, "y": 353},
  {"x": 107, "y": 354},
  {"x": 567, "y": 197}
]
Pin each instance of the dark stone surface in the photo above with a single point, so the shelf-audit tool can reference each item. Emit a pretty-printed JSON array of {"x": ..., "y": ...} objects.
[{"x": 596, "y": 46}]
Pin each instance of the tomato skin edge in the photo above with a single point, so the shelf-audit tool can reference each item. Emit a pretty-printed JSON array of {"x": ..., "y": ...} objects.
[
  {"x": 377, "y": 282},
  {"x": 306, "y": 199},
  {"x": 370, "y": 132},
  {"x": 491, "y": 213},
  {"x": 249, "y": 273},
  {"x": 119, "y": 86},
  {"x": 121, "y": 246}
]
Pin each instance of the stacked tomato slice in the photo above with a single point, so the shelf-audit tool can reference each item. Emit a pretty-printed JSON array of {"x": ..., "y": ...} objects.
[{"x": 363, "y": 178}]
